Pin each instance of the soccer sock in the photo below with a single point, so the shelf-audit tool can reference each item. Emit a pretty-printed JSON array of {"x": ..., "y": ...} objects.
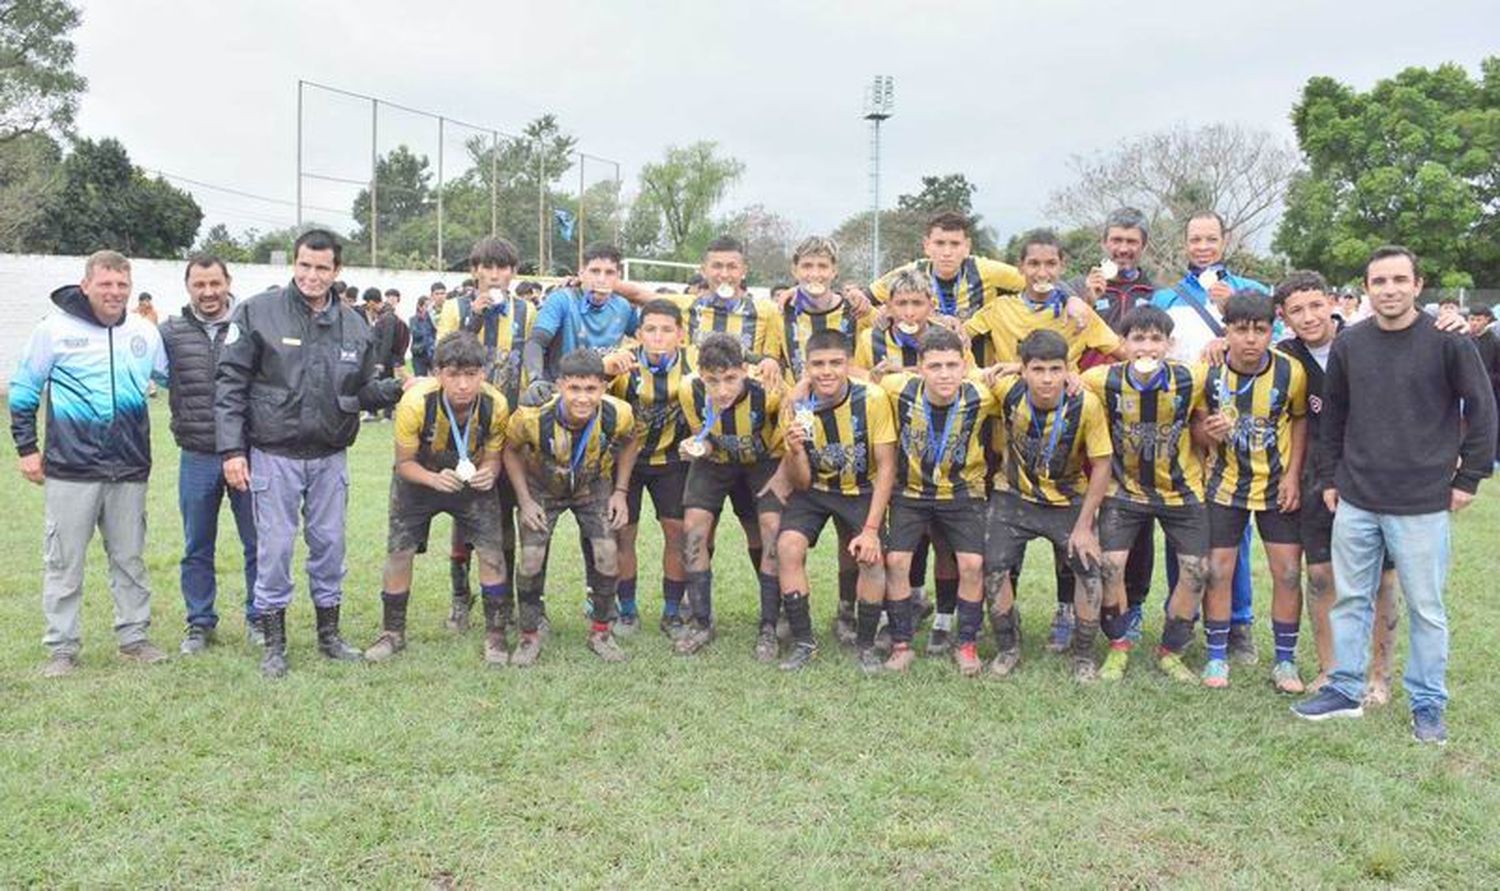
[
  {"x": 848, "y": 585},
  {"x": 672, "y": 591},
  {"x": 458, "y": 572},
  {"x": 1114, "y": 623},
  {"x": 900, "y": 611},
  {"x": 1006, "y": 627},
  {"x": 867, "y": 619},
  {"x": 755, "y": 555},
  {"x": 625, "y": 594},
  {"x": 917, "y": 576},
  {"x": 496, "y": 605},
  {"x": 1286, "y": 640},
  {"x": 798, "y": 616},
  {"x": 1176, "y": 633},
  {"x": 770, "y": 601},
  {"x": 947, "y": 603},
  {"x": 1216, "y": 635},
  {"x": 1063, "y": 573},
  {"x": 700, "y": 596},
  {"x": 531, "y": 609},
  {"x": 1084, "y": 633},
  {"x": 970, "y": 618},
  {"x": 393, "y": 605}
]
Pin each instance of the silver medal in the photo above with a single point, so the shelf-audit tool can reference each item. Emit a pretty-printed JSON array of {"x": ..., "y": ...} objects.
[
  {"x": 1208, "y": 278},
  {"x": 464, "y": 471},
  {"x": 1109, "y": 269}
]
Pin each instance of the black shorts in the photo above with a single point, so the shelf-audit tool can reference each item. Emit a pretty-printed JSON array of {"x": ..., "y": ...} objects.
[
  {"x": 1121, "y": 521},
  {"x": 590, "y": 508},
  {"x": 413, "y": 506},
  {"x": 1226, "y": 526},
  {"x": 958, "y": 522},
  {"x": 665, "y": 482},
  {"x": 710, "y": 482},
  {"x": 809, "y": 511},
  {"x": 1013, "y": 522},
  {"x": 1316, "y": 522}
]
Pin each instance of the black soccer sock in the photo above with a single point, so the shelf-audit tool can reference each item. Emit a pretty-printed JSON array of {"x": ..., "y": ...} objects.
[
  {"x": 798, "y": 616},
  {"x": 947, "y": 603},
  {"x": 1084, "y": 633},
  {"x": 700, "y": 597},
  {"x": 497, "y": 606},
  {"x": 1063, "y": 572},
  {"x": 917, "y": 577},
  {"x": 1176, "y": 634},
  {"x": 970, "y": 618},
  {"x": 755, "y": 557},
  {"x": 770, "y": 601},
  {"x": 848, "y": 585},
  {"x": 393, "y": 606},
  {"x": 531, "y": 609},
  {"x": 1006, "y": 627},
  {"x": 1114, "y": 623},
  {"x": 900, "y": 613},
  {"x": 866, "y": 621}
]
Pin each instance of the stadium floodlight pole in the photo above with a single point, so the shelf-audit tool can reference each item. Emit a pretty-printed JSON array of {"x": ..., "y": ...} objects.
[
  {"x": 374, "y": 173},
  {"x": 616, "y": 205},
  {"x": 440, "y": 265},
  {"x": 299, "y": 156},
  {"x": 541, "y": 213},
  {"x": 578, "y": 223},
  {"x": 494, "y": 186},
  {"x": 880, "y": 104}
]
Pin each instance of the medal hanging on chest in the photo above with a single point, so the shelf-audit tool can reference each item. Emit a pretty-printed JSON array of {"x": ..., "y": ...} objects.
[{"x": 465, "y": 469}]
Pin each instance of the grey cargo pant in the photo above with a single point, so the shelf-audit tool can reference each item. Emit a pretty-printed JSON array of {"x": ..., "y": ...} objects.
[
  {"x": 73, "y": 510},
  {"x": 284, "y": 490}
]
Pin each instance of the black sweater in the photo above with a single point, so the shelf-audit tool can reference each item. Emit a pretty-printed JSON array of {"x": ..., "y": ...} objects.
[{"x": 1391, "y": 434}]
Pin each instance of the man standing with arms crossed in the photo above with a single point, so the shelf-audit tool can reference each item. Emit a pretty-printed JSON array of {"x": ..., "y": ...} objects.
[
  {"x": 296, "y": 368},
  {"x": 1386, "y": 466}
]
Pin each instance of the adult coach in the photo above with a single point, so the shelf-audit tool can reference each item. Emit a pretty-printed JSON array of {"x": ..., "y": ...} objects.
[
  {"x": 193, "y": 341},
  {"x": 296, "y": 368},
  {"x": 94, "y": 362},
  {"x": 1386, "y": 465}
]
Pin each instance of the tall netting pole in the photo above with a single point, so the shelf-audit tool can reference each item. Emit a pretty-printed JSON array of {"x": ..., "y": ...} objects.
[
  {"x": 374, "y": 175},
  {"x": 441, "y": 264}
]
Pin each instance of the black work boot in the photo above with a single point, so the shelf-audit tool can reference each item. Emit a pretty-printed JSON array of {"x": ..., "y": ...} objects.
[
  {"x": 329, "y": 642},
  {"x": 273, "y": 626}
]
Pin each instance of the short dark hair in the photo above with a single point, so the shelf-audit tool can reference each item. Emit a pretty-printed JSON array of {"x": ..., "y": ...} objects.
[
  {"x": 494, "y": 251},
  {"x": 720, "y": 352},
  {"x": 725, "y": 244},
  {"x": 1039, "y": 237},
  {"x": 372, "y": 295},
  {"x": 1479, "y": 309},
  {"x": 603, "y": 251},
  {"x": 696, "y": 280},
  {"x": 1147, "y": 318},
  {"x": 1299, "y": 281},
  {"x": 1444, "y": 300},
  {"x": 1249, "y": 306},
  {"x": 209, "y": 261},
  {"x": 437, "y": 286},
  {"x": 422, "y": 301},
  {"x": 526, "y": 289},
  {"x": 940, "y": 340},
  {"x": 948, "y": 221},
  {"x": 1207, "y": 214},
  {"x": 1043, "y": 345},
  {"x": 829, "y": 339},
  {"x": 319, "y": 240},
  {"x": 582, "y": 362},
  {"x": 144, "y": 295},
  {"x": 459, "y": 349},
  {"x": 662, "y": 307},
  {"x": 392, "y": 292}
]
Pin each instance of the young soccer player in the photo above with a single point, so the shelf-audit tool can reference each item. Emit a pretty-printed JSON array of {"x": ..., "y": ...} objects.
[
  {"x": 940, "y": 471},
  {"x": 841, "y": 459},
  {"x": 961, "y": 283},
  {"x": 593, "y": 317},
  {"x": 562, "y": 456},
  {"x": 735, "y": 447},
  {"x": 449, "y": 433},
  {"x": 1151, "y": 403},
  {"x": 1041, "y": 492},
  {"x": 1255, "y": 432},
  {"x": 658, "y": 367}
]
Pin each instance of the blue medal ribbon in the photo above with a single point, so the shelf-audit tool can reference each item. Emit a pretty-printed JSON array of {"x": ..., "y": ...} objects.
[
  {"x": 1226, "y": 395},
  {"x": 947, "y": 303},
  {"x": 459, "y": 438},
  {"x": 1037, "y": 428},
  {"x": 580, "y": 445},
  {"x": 1055, "y": 300},
  {"x": 937, "y": 446},
  {"x": 710, "y": 417}
]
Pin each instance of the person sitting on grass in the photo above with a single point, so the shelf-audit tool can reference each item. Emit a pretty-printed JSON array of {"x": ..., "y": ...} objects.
[
  {"x": 449, "y": 433},
  {"x": 561, "y": 456}
]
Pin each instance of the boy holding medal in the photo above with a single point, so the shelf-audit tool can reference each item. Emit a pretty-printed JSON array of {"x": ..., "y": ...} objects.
[
  {"x": 734, "y": 453},
  {"x": 562, "y": 456},
  {"x": 1255, "y": 435},
  {"x": 449, "y": 433}
]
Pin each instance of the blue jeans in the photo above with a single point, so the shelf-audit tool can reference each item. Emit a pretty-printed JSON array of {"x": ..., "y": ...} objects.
[
  {"x": 200, "y": 492},
  {"x": 1241, "y": 602},
  {"x": 1419, "y": 546}
]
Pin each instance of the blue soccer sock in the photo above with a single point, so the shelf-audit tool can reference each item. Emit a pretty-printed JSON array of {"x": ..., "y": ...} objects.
[
  {"x": 1286, "y": 640},
  {"x": 672, "y": 592},
  {"x": 625, "y": 594},
  {"x": 1216, "y": 636}
]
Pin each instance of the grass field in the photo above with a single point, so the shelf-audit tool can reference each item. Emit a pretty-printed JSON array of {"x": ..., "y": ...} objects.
[{"x": 713, "y": 771}]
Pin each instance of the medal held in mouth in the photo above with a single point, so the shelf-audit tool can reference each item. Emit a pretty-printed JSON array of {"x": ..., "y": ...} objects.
[{"x": 465, "y": 469}]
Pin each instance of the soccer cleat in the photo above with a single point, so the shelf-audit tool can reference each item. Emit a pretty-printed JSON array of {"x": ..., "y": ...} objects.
[
  {"x": 1172, "y": 666},
  {"x": 939, "y": 642},
  {"x": 671, "y": 626},
  {"x": 1216, "y": 674},
  {"x": 1286, "y": 678},
  {"x": 967, "y": 657},
  {"x": 388, "y": 644},
  {"x": 1242, "y": 645},
  {"x": 197, "y": 640},
  {"x": 1084, "y": 670},
  {"x": 496, "y": 648},
  {"x": 843, "y": 625},
  {"x": 696, "y": 638},
  {"x": 766, "y": 645},
  {"x": 529, "y": 650},
  {"x": 142, "y": 651},
  {"x": 458, "y": 616},
  {"x": 603, "y": 644},
  {"x": 627, "y": 626},
  {"x": 1005, "y": 662},
  {"x": 869, "y": 661},
  {"x": 1133, "y": 624},
  {"x": 901, "y": 658},
  {"x": 1328, "y": 703},
  {"x": 1061, "y": 636},
  {"x": 801, "y": 654},
  {"x": 60, "y": 665},
  {"x": 1114, "y": 664},
  {"x": 1427, "y": 725}
]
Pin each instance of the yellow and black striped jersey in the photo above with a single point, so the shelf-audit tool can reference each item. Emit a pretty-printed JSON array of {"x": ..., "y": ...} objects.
[
  {"x": 651, "y": 391},
  {"x": 1245, "y": 469},
  {"x": 801, "y": 323},
  {"x": 422, "y": 424},
  {"x": 979, "y": 281},
  {"x": 747, "y": 432},
  {"x": 503, "y": 331},
  {"x": 754, "y": 321},
  {"x": 564, "y": 460},
  {"x": 1154, "y": 461},
  {"x": 841, "y": 451},
  {"x": 941, "y": 448},
  {"x": 1046, "y": 451},
  {"x": 874, "y": 345},
  {"x": 999, "y": 328}
]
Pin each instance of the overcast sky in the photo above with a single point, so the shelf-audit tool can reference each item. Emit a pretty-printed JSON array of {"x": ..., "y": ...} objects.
[{"x": 1002, "y": 91}]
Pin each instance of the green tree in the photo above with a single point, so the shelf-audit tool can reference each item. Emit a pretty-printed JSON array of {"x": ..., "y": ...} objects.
[
  {"x": 403, "y": 192},
  {"x": 769, "y": 241},
  {"x": 38, "y": 87},
  {"x": 1415, "y": 160},
  {"x": 903, "y": 229},
  {"x": 104, "y": 201},
  {"x": 29, "y": 177},
  {"x": 679, "y": 193},
  {"x": 220, "y": 242}
]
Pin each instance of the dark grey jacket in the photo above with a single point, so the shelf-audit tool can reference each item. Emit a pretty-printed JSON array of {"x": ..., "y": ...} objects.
[
  {"x": 293, "y": 383},
  {"x": 193, "y": 356}
]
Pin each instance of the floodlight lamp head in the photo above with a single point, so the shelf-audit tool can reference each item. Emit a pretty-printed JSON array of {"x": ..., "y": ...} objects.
[{"x": 880, "y": 100}]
